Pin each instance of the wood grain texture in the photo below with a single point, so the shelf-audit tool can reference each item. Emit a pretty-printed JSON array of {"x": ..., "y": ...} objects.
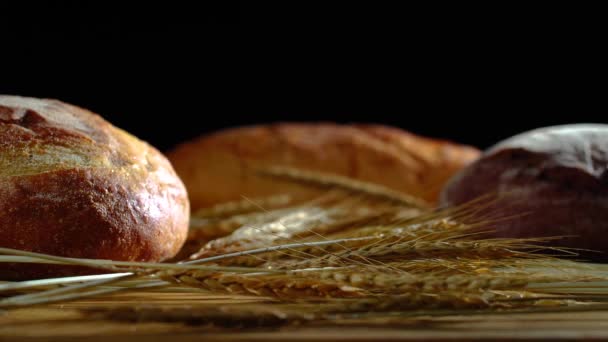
[{"x": 65, "y": 322}]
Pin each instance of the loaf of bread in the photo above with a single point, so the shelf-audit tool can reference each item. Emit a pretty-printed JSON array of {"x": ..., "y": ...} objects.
[
  {"x": 551, "y": 182},
  {"x": 221, "y": 167},
  {"x": 73, "y": 185}
]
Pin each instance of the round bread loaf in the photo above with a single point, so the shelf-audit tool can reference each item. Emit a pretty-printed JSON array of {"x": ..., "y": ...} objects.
[
  {"x": 553, "y": 181},
  {"x": 73, "y": 185},
  {"x": 222, "y": 166}
]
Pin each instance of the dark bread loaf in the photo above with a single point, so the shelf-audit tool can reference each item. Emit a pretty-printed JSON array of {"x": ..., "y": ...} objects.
[
  {"x": 73, "y": 185},
  {"x": 221, "y": 167},
  {"x": 555, "y": 179}
]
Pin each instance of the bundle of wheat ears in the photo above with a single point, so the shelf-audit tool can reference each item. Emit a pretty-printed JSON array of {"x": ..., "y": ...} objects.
[{"x": 358, "y": 252}]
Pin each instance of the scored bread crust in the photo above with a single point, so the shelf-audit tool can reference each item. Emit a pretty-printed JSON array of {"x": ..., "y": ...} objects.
[
  {"x": 71, "y": 184},
  {"x": 221, "y": 167}
]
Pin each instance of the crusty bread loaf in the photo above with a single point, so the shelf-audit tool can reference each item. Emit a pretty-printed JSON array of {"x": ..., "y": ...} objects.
[
  {"x": 73, "y": 185},
  {"x": 221, "y": 167},
  {"x": 551, "y": 182}
]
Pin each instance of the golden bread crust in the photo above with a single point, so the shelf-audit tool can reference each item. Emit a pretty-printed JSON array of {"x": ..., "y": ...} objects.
[
  {"x": 72, "y": 184},
  {"x": 221, "y": 166}
]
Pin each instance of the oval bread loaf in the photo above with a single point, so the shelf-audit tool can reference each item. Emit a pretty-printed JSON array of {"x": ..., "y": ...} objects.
[
  {"x": 73, "y": 185},
  {"x": 221, "y": 167}
]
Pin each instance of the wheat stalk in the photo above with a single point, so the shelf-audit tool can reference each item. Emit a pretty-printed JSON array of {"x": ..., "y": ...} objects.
[
  {"x": 359, "y": 249},
  {"x": 286, "y": 287},
  {"x": 243, "y": 206},
  {"x": 326, "y": 180}
]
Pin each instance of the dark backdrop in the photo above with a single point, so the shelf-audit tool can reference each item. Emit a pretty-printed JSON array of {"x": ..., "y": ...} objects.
[{"x": 169, "y": 71}]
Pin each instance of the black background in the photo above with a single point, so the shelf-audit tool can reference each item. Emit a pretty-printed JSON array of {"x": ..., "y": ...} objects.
[{"x": 169, "y": 71}]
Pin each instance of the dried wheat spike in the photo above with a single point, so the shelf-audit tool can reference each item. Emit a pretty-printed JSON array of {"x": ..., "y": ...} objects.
[
  {"x": 205, "y": 229},
  {"x": 286, "y": 287},
  {"x": 391, "y": 283},
  {"x": 326, "y": 180},
  {"x": 380, "y": 243},
  {"x": 244, "y": 206},
  {"x": 488, "y": 249},
  {"x": 297, "y": 225}
]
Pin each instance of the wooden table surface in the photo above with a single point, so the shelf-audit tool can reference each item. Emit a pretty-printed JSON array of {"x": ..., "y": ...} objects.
[{"x": 67, "y": 322}]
